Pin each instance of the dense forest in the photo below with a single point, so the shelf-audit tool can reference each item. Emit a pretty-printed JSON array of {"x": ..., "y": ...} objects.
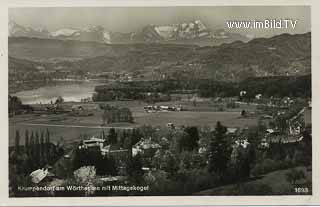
[{"x": 277, "y": 86}]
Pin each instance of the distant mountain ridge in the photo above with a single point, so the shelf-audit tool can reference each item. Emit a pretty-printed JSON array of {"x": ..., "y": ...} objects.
[
  {"x": 185, "y": 33},
  {"x": 16, "y": 30},
  {"x": 281, "y": 55}
]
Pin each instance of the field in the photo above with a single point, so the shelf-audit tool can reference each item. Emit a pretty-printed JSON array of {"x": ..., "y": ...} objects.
[{"x": 71, "y": 127}]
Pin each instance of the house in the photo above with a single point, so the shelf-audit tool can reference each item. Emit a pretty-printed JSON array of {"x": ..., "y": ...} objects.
[
  {"x": 243, "y": 93},
  {"x": 150, "y": 109},
  {"x": 202, "y": 150},
  {"x": 92, "y": 143},
  {"x": 76, "y": 108},
  {"x": 170, "y": 125},
  {"x": 112, "y": 178},
  {"x": 286, "y": 101},
  {"x": 79, "y": 110},
  {"x": 272, "y": 132},
  {"x": 164, "y": 108},
  {"x": 269, "y": 131},
  {"x": 146, "y": 147},
  {"x": 264, "y": 144},
  {"x": 66, "y": 156},
  {"x": 243, "y": 143},
  {"x": 118, "y": 153},
  {"x": 97, "y": 144},
  {"x": 300, "y": 120},
  {"x": 232, "y": 131},
  {"x": 266, "y": 116},
  {"x": 258, "y": 96},
  {"x": 38, "y": 175},
  {"x": 240, "y": 146}
]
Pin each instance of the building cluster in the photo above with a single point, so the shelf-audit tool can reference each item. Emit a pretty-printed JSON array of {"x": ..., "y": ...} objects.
[
  {"x": 156, "y": 108},
  {"x": 98, "y": 145}
]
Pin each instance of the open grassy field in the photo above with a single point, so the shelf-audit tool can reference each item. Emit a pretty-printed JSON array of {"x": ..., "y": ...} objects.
[
  {"x": 189, "y": 118},
  {"x": 71, "y": 127}
]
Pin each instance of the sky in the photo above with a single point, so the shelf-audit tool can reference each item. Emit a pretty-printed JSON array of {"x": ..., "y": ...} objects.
[{"x": 126, "y": 19}]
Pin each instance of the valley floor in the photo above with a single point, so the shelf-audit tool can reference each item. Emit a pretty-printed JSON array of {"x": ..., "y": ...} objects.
[{"x": 71, "y": 127}]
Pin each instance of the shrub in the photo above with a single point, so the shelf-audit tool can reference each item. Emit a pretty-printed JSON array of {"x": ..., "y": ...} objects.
[{"x": 269, "y": 165}]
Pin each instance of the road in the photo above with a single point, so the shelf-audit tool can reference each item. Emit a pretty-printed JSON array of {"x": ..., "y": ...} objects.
[{"x": 73, "y": 126}]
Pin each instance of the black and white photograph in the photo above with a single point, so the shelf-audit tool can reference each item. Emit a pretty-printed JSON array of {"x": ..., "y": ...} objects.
[{"x": 159, "y": 101}]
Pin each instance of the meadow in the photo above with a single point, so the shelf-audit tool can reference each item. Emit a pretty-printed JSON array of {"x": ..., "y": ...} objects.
[{"x": 71, "y": 127}]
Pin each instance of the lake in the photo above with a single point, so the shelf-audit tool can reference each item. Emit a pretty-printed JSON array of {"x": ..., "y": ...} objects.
[{"x": 74, "y": 91}]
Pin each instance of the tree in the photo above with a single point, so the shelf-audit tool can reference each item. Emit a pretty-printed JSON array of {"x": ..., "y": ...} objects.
[
  {"x": 189, "y": 140},
  {"x": 243, "y": 113},
  {"x": 17, "y": 142},
  {"x": 32, "y": 145},
  {"x": 282, "y": 123},
  {"x": 169, "y": 163},
  {"x": 112, "y": 136},
  {"x": 103, "y": 135},
  {"x": 47, "y": 146},
  {"x": 37, "y": 150},
  {"x": 127, "y": 143},
  {"x": 27, "y": 144},
  {"x": 219, "y": 151},
  {"x": 111, "y": 166},
  {"x": 59, "y": 100},
  {"x": 42, "y": 149},
  {"x": 134, "y": 168},
  {"x": 145, "y": 131},
  {"x": 79, "y": 159},
  {"x": 254, "y": 136},
  {"x": 126, "y": 115},
  {"x": 136, "y": 136},
  {"x": 158, "y": 182},
  {"x": 15, "y": 104},
  {"x": 243, "y": 165},
  {"x": 105, "y": 117},
  {"x": 280, "y": 152},
  {"x": 130, "y": 116},
  {"x": 85, "y": 176},
  {"x": 122, "y": 138}
]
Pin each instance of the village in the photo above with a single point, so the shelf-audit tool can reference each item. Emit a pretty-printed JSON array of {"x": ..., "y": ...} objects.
[{"x": 132, "y": 153}]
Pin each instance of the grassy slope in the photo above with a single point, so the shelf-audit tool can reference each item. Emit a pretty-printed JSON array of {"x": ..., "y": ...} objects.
[{"x": 276, "y": 180}]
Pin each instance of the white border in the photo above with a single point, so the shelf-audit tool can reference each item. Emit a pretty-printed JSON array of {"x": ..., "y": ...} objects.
[{"x": 161, "y": 200}]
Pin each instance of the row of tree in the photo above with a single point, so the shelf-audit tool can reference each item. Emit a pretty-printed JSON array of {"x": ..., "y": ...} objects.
[
  {"x": 113, "y": 114},
  {"x": 37, "y": 151}
]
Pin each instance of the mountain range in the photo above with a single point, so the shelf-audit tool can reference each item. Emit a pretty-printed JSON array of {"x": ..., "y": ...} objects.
[
  {"x": 281, "y": 55},
  {"x": 194, "y": 32}
]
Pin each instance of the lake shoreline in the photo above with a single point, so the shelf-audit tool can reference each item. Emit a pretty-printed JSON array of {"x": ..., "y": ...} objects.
[
  {"x": 32, "y": 85},
  {"x": 70, "y": 90}
]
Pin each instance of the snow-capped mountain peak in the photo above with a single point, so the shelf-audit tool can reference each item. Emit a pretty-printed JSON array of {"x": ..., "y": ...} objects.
[
  {"x": 64, "y": 32},
  {"x": 186, "y": 30},
  {"x": 16, "y": 30},
  {"x": 194, "y": 32}
]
